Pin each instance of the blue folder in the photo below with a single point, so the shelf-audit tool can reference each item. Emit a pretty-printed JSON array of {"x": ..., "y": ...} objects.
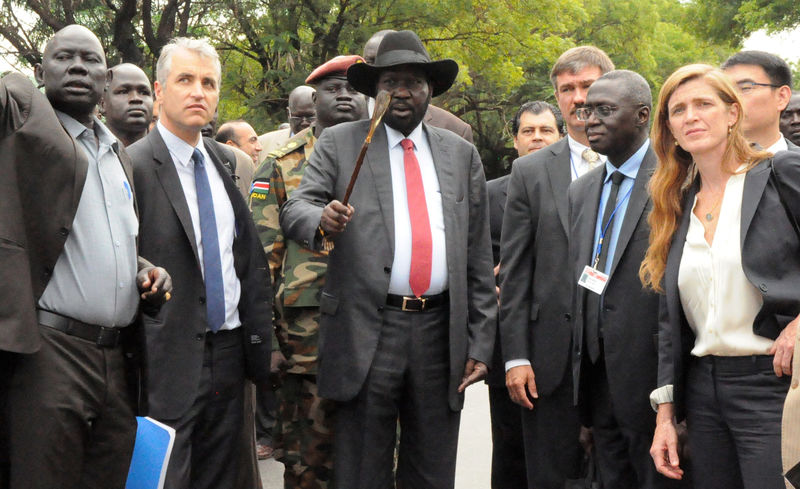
[{"x": 150, "y": 454}]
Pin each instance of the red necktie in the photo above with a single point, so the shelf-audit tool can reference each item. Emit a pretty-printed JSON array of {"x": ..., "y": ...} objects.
[{"x": 421, "y": 242}]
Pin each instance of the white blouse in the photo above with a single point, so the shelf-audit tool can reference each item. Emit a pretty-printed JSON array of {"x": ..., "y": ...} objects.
[{"x": 719, "y": 302}]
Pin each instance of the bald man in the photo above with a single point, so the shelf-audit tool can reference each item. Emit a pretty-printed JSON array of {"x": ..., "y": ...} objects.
[
  {"x": 301, "y": 115},
  {"x": 128, "y": 103},
  {"x": 71, "y": 279}
]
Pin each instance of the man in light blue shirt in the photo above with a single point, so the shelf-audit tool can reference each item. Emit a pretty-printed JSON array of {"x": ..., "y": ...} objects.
[{"x": 614, "y": 361}]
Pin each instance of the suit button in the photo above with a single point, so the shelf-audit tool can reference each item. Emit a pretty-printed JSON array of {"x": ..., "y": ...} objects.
[
  {"x": 199, "y": 337},
  {"x": 387, "y": 269},
  {"x": 609, "y": 307},
  {"x": 202, "y": 300},
  {"x": 567, "y": 316},
  {"x": 763, "y": 287},
  {"x": 63, "y": 232},
  {"x": 380, "y": 308}
]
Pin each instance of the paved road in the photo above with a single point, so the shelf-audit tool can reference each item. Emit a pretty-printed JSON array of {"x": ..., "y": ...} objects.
[{"x": 474, "y": 446}]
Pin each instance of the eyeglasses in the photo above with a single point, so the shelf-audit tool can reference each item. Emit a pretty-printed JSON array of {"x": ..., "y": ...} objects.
[
  {"x": 601, "y": 111},
  {"x": 748, "y": 86},
  {"x": 301, "y": 118}
]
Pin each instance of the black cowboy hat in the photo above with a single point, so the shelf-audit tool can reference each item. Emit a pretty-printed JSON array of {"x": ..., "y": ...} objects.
[{"x": 402, "y": 48}]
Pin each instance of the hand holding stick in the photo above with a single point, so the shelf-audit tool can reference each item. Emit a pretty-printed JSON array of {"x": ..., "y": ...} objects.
[{"x": 381, "y": 104}]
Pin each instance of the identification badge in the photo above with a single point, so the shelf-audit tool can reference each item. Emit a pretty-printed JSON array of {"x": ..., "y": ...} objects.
[{"x": 594, "y": 280}]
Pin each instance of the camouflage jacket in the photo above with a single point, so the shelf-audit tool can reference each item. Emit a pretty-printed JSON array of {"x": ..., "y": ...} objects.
[{"x": 297, "y": 273}]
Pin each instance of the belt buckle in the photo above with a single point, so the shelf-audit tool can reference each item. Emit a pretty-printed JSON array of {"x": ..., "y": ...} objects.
[
  {"x": 108, "y": 337},
  {"x": 413, "y": 300}
]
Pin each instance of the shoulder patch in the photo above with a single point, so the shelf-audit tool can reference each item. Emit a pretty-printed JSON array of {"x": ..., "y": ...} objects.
[{"x": 259, "y": 189}]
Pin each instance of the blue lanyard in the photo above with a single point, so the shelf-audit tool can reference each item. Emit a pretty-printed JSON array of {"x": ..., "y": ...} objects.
[
  {"x": 572, "y": 164},
  {"x": 610, "y": 220}
]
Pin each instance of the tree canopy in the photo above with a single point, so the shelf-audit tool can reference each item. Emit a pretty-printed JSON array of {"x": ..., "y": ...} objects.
[{"x": 504, "y": 48}]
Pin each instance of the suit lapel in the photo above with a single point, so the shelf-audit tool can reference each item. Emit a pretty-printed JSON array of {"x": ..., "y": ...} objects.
[
  {"x": 168, "y": 177},
  {"x": 448, "y": 186},
  {"x": 636, "y": 205},
  {"x": 676, "y": 250},
  {"x": 558, "y": 169},
  {"x": 586, "y": 217},
  {"x": 754, "y": 184},
  {"x": 377, "y": 160}
]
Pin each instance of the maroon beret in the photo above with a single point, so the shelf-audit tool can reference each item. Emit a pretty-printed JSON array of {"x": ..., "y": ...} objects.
[{"x": 334, "y": 67}]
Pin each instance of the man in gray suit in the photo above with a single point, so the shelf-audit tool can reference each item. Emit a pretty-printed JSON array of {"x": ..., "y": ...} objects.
[
  {"x": 536, "y": 287},
  {"x": 407, "y": 312}
]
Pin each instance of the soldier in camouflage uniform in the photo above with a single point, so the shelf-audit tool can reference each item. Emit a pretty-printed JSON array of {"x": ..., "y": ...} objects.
[{"x": 304, "y": 430}]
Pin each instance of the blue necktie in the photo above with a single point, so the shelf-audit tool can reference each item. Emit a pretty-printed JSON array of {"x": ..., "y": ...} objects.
[{"x": 212, "y": 265}]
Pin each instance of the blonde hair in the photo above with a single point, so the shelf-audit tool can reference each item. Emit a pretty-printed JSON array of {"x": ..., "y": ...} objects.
[{"x": 675, "y": 165}]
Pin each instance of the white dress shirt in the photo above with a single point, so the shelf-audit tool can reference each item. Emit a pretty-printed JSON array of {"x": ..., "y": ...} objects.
[
  {"x": 181, "y": 153},
  {"x": 719, "y": 302},
  {"x": 401, "y": 266}
]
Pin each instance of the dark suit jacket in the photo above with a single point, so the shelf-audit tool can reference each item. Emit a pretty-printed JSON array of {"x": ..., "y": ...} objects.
[
  {"x": 770, "y": 259},
  {"x": 535, "y": 285},
  {"x": 629, "y": 313},
  {"x": 441, "y": 118},
  {"x": 497, "y": 190},
  {"x": 358, "y": 274},
  {"x": 175, "y": 336}
]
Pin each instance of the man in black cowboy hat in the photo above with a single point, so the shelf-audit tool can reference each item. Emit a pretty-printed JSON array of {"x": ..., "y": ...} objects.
[{"x": 408, "y": 308}]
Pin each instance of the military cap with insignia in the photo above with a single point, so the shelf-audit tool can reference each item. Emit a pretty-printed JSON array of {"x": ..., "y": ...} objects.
[{"x": 334, "y": 67}]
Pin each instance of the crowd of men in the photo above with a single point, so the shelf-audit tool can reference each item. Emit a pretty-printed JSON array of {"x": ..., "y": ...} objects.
[{"x": 151, "y": 268}]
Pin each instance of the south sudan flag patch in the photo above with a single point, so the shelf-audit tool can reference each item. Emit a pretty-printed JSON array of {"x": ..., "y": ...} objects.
[{"x": 259, "y": 189}]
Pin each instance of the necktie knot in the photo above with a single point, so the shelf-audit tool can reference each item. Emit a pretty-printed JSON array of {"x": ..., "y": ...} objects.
[
  {"x": 591, "y": 157},
  {"x": 617, "y": 178},
  {"x": 407, "y": 144},
  {"x": 198, "y": 158}
]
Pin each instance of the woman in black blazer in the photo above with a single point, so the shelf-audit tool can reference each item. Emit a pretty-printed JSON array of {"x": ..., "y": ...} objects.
[{"x": 725, "y": 252}]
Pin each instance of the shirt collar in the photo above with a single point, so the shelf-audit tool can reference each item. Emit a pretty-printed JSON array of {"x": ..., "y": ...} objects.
[
  {"x": 178, "y": 148},
  {"x": 575, "y": 146},
  {"x": 779, "y": 145},
  {"x": 393, "y": 136},
  {"x": 631, "y": 166},
  {"x": 76, "y": 129}
]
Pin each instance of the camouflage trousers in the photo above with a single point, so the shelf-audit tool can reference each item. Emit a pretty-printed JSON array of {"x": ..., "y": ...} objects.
[{"x": 303, "y": 434}]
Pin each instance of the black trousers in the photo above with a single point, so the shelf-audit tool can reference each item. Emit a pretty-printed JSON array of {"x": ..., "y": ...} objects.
[
  {"x": 71, "y": 419},
  {"x": 553, "y": 453},
  {"x": 408, "y": 381},
  {"x": 734, "y": 407},
  {"x": 622, "y": 454},
  {"x": 508, "y": 449},
  {"x": 206, "y": 453}
]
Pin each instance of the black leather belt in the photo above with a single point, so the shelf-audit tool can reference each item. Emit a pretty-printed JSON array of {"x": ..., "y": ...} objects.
[
  {"x": 418, "y": 304},
  {"x": 102, "y": 336}
]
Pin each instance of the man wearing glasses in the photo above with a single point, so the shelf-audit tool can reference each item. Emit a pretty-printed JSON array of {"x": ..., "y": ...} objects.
[
  {"x": 614, "y": 320},
  {"x": 764, "y": 81}
]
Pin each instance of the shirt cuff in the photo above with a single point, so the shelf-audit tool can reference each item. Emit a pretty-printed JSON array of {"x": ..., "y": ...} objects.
[
  {"x": 517, "y": 362},
  {"x": 660, "y": 396}
]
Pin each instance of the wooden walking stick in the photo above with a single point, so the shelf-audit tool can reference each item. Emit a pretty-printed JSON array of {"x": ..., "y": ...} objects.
[{"x": 381, "y": 104}]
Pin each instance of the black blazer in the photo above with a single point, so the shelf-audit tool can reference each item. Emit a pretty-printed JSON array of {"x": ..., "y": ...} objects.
[
  {"x": 629, "y": 313},
  {"x": 536, "y": 282},
  {"x": 174, "y": 337},
  {"x": 770, "y": 259}
]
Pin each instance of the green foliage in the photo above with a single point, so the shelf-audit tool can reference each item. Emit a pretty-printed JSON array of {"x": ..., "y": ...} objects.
[{"x": 504, "y": 48}]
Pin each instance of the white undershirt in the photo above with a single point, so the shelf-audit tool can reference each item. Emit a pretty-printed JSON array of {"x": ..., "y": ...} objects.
[{"x": 398, "y": 282}]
